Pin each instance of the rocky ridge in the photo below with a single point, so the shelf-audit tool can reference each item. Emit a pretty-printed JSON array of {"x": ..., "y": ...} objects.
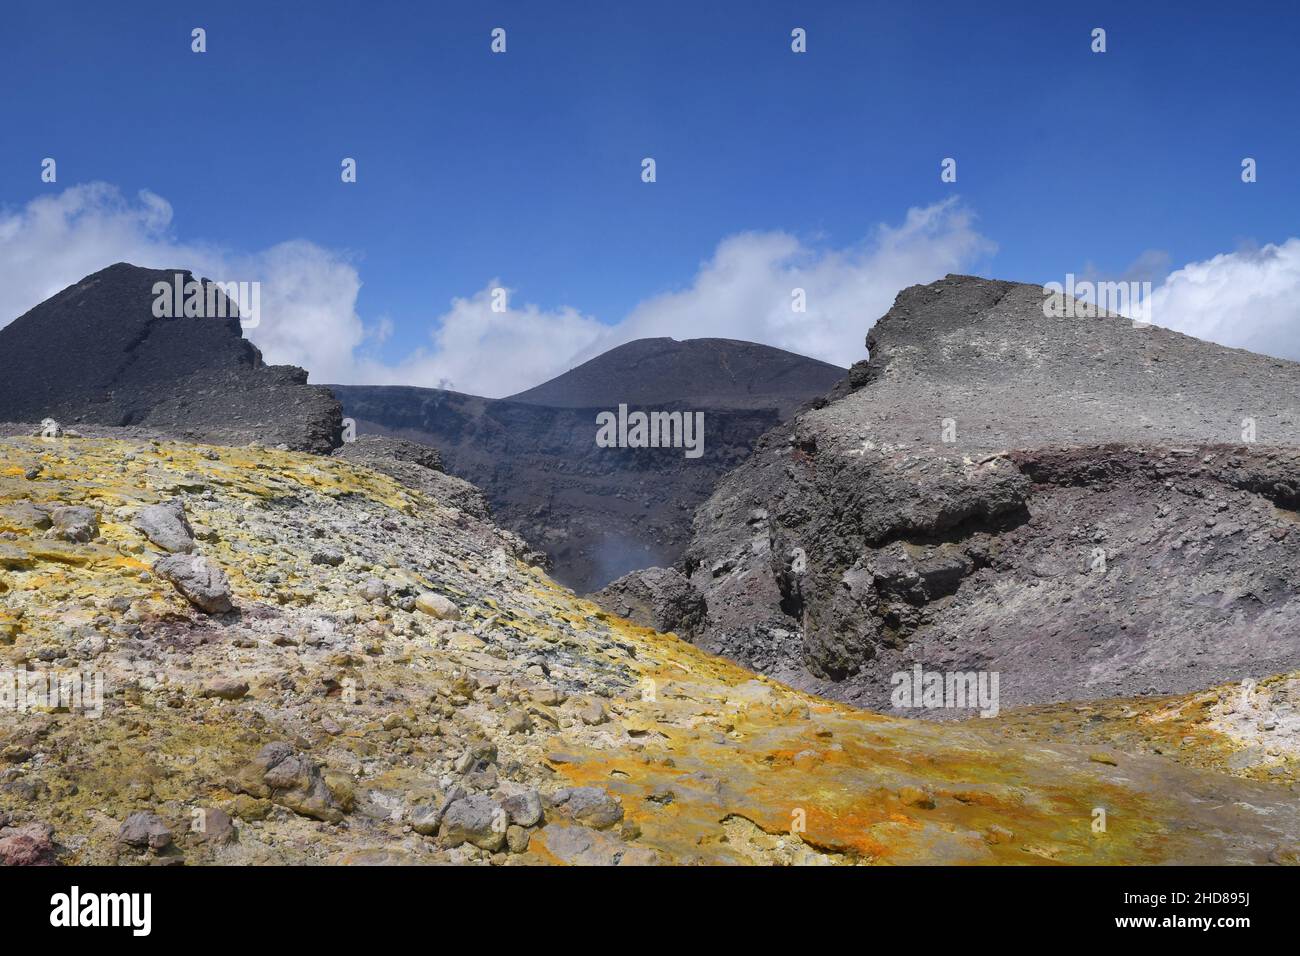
[{"x": 1086, "y": 507}]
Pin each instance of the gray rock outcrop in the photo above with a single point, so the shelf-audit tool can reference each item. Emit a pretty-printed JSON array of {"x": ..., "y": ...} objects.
[
  {"x": 1075, "y": 504},
  {"x": 660, "y": 598}
]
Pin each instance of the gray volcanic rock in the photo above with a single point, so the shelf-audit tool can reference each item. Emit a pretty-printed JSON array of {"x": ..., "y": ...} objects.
[
  {"x": 370, "y": 447},
  {"x": 145, "y": 829},
  {"x": 167, "y": 527},
  {"x": 1068, "y": 502},
  {"x": 199, "y": 580},
  {"x": 96, "y": 354},
  {"x": 291, "y": 779},
  {"x": 660, "y": 598},
  {"x": 74, "y": 523},
  {"x": 602, "y": 512},
  {"x": 473, "y": 820}
]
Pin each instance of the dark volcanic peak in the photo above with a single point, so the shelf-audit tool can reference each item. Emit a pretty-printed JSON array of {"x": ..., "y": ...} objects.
[
  {"x": 601, "y": 512},
  {"x": 1084, "y": 507},
  {"x": 95, "y": 353},
  {"x": 704, "y": 373}
]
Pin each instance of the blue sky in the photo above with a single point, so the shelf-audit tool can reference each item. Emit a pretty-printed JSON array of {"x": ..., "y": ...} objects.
[{"x": 525, "y": 167}]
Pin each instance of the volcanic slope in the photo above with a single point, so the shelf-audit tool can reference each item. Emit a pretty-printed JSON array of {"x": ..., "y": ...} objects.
[
  {"x": 384, "y": 681},
  {"x": 1085, "y": 507}
]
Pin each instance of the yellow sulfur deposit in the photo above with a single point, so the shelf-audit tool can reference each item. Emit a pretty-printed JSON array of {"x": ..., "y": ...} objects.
[{"x": 422, "y": 738}]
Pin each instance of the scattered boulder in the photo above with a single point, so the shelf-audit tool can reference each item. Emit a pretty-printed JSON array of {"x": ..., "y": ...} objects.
[
  {"x": 291, "y": 779},
  {"x": 480, "y": 753},
  {"x": 74, "y": 523},
  {"x": 593, "y": 807},
  {"x": 225, "y": 688},
  {"x": 524, "y": 809},
  {"x": 517, "y": 721},
  {"x": 215, "y": 827},
  {"x": 593, "y": 713},
  {"x": 145, "y": 830},
  {"x": 167, "y": 527},
  {"x": 199, "y": 580},
  {"x": 435, "y": 605},
  {"x": 517, "y": 839},
  {"x": 478, "y": 819},
  {"x": 425, "y": 819}
]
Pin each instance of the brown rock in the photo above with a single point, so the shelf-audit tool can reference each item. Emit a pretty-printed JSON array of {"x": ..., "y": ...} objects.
[
  {"x": 31, "y": 844},
  {"x": 225, "y": 688},
  {"x": 291, "y": 779}
]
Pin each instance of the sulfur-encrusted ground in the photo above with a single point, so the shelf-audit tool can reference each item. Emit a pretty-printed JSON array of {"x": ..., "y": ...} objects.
[{"x": 331, "y": 718}]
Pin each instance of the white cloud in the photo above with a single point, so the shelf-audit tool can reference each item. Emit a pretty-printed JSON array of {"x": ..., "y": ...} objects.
[
  {"x": 745, "y": 290},
  {"x": 742, "y": 292},
  {"x": 56, "y": 240},
  {"x": 492, "y": 353},
  {"x": 1248, "y": 299},
  {"x": 309, "y": 294}
]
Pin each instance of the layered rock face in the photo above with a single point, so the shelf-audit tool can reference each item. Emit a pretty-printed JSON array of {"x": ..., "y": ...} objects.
[
  {"x": 601, "y": 512},
  {"x": 95, "y": 353},
  {"x": 1084, "y": 507},
  {"x": 268, "y": 657}
]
